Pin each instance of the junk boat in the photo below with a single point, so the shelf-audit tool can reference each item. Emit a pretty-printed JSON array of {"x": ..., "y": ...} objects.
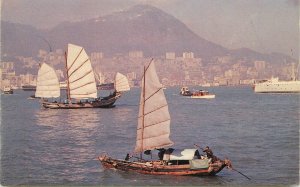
[
  {"x": 153, "y": 133},
  {"x": 81, "y": 84},
  {"x": 106, "y": 86}
]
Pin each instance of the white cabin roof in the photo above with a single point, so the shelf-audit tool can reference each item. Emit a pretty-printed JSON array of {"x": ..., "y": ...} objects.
[{"x": 183, "y": 154}]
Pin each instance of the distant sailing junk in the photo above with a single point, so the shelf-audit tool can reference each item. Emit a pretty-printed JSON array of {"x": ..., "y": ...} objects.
[
  {"x": 47, "y": 83},
  {"x": 81, "y": 84},
  {"x": 121, "y": 83},
  {"x": 153, "y": 133}
]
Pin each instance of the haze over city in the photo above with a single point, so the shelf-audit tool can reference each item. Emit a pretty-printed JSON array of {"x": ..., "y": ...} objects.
[
  {"x": 264, "y": 26},
  {"x": 150, "y": 92}
]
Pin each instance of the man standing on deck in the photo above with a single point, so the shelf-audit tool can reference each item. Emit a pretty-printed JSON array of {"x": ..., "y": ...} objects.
[{"x": 208, "y": 152}]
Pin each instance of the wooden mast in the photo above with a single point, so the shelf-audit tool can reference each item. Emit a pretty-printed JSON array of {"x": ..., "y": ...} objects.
[
  {"x": 143, "y": 109},
  {"x": 68, "y": 84}
]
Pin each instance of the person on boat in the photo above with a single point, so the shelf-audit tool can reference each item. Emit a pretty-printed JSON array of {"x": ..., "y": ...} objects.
[
  {"x": 127, "y": 157},
  {"x": 147, "y": 152},
  {"x": 197, "y": 154},
  {"x": 208, "y": 152},
  {"x": 161, "y": 153}
]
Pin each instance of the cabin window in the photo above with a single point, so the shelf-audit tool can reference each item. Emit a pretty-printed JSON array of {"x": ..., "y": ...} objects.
[{"x": 179, "y": 162}]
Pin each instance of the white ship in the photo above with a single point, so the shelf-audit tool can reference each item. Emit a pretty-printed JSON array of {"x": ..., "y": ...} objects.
[{"x": 275, "y": 86}]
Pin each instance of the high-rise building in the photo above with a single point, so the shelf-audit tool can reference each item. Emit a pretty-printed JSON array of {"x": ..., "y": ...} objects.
[
  {"x": 188, "y": 55},
  {"x": 8, "y": 65},
  {"x": 259, "y": 65},
  {"x": 170, "y": 56},
  {"x": 136, "y": 54},
  {"x": 96, "y": 56}
]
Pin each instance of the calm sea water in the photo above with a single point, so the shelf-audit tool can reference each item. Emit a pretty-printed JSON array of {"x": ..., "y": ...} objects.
[{"x": 258, "y": 132}]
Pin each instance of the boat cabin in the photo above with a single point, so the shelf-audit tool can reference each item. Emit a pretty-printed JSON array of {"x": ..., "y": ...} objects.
[
  {"x": 185, "y": 91},
  {"x": 185, "y": 157},
  {"x": 200, "y": 93},
  {"x": 8, "y": 90}
]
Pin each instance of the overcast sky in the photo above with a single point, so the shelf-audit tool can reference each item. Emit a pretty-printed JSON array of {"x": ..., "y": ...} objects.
[{"x": 262, "y": 25}]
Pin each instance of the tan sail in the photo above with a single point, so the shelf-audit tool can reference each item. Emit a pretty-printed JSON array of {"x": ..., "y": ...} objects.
[
  {"x": 121, "y": 83},
  {"x": 81, "y": 79},
  {"x": 47, "y": 83},
  {"x": 153, "y": 129}
]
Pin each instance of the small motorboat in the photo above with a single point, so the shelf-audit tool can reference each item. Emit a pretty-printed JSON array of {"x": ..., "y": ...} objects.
[{"x": 202, "y": 94}]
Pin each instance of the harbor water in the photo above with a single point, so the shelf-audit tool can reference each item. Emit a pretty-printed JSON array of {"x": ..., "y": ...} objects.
[{"x": 259, "y": 133}]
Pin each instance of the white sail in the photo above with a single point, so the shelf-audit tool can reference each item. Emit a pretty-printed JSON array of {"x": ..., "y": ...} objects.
[
  {"x": 153, "y": 129},
  {"x": 121, "y": 83},
  {"x": 82, "y": 84},
  {"x": 47, "y": 82}
]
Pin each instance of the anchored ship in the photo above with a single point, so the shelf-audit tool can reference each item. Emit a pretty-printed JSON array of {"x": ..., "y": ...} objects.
[{"x": 274, "y": 85}]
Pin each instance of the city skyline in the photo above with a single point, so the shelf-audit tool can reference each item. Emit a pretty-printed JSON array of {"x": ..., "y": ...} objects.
[
  {"x": 264, "y": 26},
  {"x": 174, "y": 69}
]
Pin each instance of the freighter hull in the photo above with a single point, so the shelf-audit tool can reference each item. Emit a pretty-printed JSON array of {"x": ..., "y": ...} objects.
[{"x": 277, "y": 87}]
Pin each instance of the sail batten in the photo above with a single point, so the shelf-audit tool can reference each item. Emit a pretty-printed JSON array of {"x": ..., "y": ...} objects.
[
  {"x": 155, "y": 124},
  {"x": 81, "y": 86},
  {"x": 47, "y": 83},
  {"x": 156, "y": 136},
  {"x": 153, "y": 128},
  {"x": 153, "y": 110},
  {"x": 73, "y": 62},
  {"x": 78, "y": 68},
  {"x": 78, "y": 79},
  {"x": 82, "y": 83},
  {"x": 153, "y": 94}
]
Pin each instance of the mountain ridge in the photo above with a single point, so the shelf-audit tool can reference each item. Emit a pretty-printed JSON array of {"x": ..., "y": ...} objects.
[{"x": 141, "y": 27}]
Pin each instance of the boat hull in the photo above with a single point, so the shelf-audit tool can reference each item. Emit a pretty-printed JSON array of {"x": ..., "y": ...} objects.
[
  {"x": 277, "y": 87},
  {"x": 159, "y": 168},
  {"x": 8, "y": 92},
  {"x": 107, "y": 102},
  {"x": 186, "y": 94},
  {"x": 203, "y": 96},
  {"x": 29, "y": 87}
]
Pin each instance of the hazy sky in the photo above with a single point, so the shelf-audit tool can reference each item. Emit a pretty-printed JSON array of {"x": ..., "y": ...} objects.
[{"x": 261, "y": 25}]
